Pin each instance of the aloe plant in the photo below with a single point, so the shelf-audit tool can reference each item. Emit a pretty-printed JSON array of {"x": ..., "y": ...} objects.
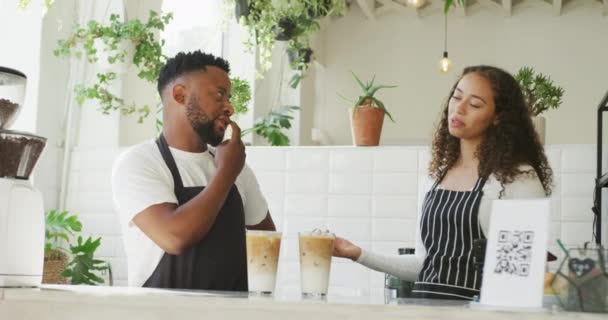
[{"x": 368, "y": 96}]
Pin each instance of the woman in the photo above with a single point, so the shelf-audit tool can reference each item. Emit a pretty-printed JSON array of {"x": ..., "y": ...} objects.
[{"x": 485, "y": 148}]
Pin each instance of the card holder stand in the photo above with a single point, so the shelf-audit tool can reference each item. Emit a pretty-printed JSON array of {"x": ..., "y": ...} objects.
[{"x": 581, "y": 282}]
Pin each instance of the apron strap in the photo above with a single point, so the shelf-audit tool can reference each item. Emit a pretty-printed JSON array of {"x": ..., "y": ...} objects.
[
  {"x": 438, "y": 180},
  {"x": 170, "y": 162},
  {"x": 480, "y": 183}
]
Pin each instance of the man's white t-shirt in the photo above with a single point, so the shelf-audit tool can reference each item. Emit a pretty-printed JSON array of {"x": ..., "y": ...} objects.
[{"x": 140, "y": 179}]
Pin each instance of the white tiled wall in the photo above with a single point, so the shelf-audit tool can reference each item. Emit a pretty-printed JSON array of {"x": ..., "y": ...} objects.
[{"x": 368, "y": 195}]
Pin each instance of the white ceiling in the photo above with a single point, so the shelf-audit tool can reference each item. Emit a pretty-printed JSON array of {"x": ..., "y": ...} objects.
[{"x": 375, "y": 8}]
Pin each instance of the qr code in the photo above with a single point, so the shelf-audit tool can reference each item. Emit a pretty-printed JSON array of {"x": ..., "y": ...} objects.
[{"x": 514, "y": 252}]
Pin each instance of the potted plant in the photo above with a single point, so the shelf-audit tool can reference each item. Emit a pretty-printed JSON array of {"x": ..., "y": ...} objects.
[
  {"x": 284, "y": 29},
  {"x": 540, "y": 95},
  {"x": 112, "y": 43},
  {"x": 300, "y": 55},
  {"x": 241, "y": 9},
  {"x": 367, "y": 114},
  {"x": 60, "y": 227},
  {"x": 260, "y": 21}
]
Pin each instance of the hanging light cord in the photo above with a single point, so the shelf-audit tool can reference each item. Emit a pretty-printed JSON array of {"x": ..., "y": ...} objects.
[{"x": 445, "y": 34}]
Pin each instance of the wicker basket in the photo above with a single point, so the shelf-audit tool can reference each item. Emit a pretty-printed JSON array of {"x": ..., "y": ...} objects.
[{"x": 55, "y": 262}]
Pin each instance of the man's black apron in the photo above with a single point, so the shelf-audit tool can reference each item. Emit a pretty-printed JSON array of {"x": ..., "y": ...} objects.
[
  {"x": 219, "y": 260},
  {"x": 449, "y": 225}
]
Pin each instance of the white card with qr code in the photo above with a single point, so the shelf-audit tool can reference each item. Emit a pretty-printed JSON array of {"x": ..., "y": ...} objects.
[{"x": 514, "y": 265}]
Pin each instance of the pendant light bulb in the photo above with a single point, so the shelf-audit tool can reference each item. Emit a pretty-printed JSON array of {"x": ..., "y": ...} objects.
[
  {"x": 415, "y": 3},
  {"x": 445, "y": 65}
]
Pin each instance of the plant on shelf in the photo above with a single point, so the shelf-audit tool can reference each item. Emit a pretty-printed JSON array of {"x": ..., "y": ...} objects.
[
  {"x": 271, "y": 125},
  {"x": 539, "y": 91},
  {"x": 117, "y": 40},
  {"x": 60, "y": 227},
  {"x": 367, "y": 115},
  {"x": 540, "y": 95}
]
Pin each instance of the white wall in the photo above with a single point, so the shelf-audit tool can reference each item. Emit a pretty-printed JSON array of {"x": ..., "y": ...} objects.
[
  {"x": 136, "y": 89},
  {"x": 20, "y": 35},
  {"x": 52, "y": 103},
  {"x": 404, "y": 49}
]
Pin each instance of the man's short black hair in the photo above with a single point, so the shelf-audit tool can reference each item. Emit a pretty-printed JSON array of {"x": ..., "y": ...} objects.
[{"x": 183, "y": 63}]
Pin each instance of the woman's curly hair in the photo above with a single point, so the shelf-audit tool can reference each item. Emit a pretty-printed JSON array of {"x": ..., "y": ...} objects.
[{"x": 511, "y": 142}]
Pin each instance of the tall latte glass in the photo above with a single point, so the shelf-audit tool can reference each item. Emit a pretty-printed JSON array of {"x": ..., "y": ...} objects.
[
  {"x": 263, "y": 249},
  {"x": 315, "y": 262}
]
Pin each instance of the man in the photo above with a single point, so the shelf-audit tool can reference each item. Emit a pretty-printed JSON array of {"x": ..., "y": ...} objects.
[{"x": 184, "y": 208}]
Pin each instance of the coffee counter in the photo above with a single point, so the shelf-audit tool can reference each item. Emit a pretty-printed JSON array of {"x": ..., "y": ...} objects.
[{"x": 92, "y": 303}]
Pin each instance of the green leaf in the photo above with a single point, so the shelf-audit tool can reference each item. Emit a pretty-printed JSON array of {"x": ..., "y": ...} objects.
[
  {"x": 540, "y": 93},
  {"x": 271, "y": 125},
  {"x": 80, "y": 267},
  {"x": 363, "y": 87},
  {"x": 372, "y": 91},
  {"x": 60, "y": 225},
  {"x": 377, "y": 102},
  {"x": 345, "y": 99},
  {"x": 446, "y": 6},
  {"x": 240, "y": 95},
  {"x": 295, "y": 80}
]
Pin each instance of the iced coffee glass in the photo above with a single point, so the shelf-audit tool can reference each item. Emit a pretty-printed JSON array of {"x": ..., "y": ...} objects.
[
  {"x": 263, "y": 249},
  {"x": 316, "y": 249}
]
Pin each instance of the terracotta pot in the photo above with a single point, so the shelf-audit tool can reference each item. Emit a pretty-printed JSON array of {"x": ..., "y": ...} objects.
[
  {"x": 366, "y": 124},
  {"x": 539, "y": 125}
]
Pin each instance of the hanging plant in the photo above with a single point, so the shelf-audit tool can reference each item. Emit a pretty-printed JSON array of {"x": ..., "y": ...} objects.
[
  {"x": 284, "y": 30},
  {"x": 284, "y": 20},
  {"x": 115, "y": 39},
  {"x": 450, "y": 3},
  {"x": 23, "y": 4},
  {"x": 299, "y": 60},
  {"x": 240, "y": 95}
]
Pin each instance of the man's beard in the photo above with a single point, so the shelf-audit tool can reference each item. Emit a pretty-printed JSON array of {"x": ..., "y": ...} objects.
[{"x": 202, "y": 125}]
